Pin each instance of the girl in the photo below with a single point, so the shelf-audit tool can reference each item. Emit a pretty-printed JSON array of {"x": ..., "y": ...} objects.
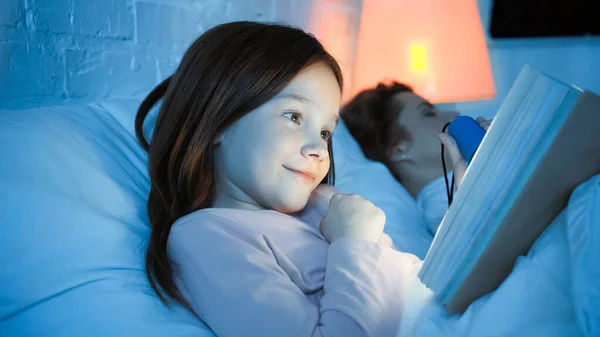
[{"x": 241, "y": 142}]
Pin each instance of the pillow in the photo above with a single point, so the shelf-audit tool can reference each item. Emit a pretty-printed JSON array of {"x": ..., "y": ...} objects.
[
  {"x": 73, "y": 188},
  {"x": 354, "y": 173},
  {"x": 583, "y": 219}
]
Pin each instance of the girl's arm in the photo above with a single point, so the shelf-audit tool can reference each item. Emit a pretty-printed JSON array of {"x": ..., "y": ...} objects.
[{"x": 232, "y": 280}]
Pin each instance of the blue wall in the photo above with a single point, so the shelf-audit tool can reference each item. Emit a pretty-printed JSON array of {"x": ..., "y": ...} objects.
[
  {"x": 571, "y": 60},
  {"x": 57, "y": 51}
]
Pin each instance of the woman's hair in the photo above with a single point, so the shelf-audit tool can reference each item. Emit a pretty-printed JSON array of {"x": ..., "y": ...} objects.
[
  {"x": 227, "y": 72},
  {"x": 371, "y": 118}
]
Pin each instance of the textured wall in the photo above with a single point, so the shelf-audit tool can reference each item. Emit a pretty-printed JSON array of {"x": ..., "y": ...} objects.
[{"x": 56, "y": 51}]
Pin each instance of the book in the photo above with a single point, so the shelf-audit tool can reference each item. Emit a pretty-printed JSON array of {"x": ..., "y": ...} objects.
[{"x": 543, "y": 142}]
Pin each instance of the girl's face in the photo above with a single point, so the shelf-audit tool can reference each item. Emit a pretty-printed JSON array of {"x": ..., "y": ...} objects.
[{"x": 276, "y": 155}]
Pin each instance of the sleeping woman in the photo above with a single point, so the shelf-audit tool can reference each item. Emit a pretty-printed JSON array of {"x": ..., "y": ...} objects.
[{"x": 402, "y": 130}]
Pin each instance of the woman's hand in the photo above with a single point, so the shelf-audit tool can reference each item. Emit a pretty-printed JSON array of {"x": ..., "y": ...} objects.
[{"x": 459, "y": 164}]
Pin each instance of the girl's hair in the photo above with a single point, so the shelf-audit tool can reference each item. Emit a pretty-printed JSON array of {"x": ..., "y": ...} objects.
[
  {"x": 371, "y": 119},
  {"x": 227, "y": 72}
]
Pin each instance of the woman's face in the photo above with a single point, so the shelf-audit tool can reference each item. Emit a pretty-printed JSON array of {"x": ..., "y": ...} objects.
[{"x": 419, "y": 156}]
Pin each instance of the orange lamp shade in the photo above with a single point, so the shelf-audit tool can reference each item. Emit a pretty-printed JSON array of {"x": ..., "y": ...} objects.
[
  {"x": 436, "y": 46},
  {"x": 335, "y": 24}
]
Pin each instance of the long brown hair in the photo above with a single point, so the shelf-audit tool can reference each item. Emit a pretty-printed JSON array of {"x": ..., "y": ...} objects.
[{"x": 227, "y": 72}]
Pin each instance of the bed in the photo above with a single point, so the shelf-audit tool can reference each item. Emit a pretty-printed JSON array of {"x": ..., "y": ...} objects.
[{"x": 73, "y": 226}]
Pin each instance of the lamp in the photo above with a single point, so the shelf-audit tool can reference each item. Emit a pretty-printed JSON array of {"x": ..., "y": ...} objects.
[
  {"x": 335, "y": 23},
  {"x": 436, "y": 46}
]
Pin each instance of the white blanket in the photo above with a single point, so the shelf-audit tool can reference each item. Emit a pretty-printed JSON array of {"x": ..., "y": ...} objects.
[{"x": 553, "y": 291}]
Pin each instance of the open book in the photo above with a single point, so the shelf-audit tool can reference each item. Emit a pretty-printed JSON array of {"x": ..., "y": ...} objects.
[{"x": 542, "y": 143}]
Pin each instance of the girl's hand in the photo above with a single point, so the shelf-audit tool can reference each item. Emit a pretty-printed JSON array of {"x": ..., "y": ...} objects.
[
  {"x": 351, "y": 216},
  {"x": 320, "y": 202}
]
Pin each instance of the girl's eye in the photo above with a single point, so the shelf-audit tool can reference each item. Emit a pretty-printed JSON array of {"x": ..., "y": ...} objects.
[
  {"x": 295, "y": 117},
  {"x": 326, "y": 134}
]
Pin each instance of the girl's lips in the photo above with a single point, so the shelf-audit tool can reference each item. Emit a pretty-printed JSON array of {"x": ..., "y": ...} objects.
[{"x": 306, "y": 175}]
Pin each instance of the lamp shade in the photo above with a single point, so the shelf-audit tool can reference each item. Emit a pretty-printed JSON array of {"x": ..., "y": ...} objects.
[
  {"x": 335, "y": 23},
  {"x": 436, "y": 46}
]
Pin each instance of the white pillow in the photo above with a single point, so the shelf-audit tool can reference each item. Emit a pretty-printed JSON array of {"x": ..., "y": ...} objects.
[
  {"x": 354, "y": 173},
  {"x": 73, "y": 227},
  {"x": 583, "y": 228}
]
